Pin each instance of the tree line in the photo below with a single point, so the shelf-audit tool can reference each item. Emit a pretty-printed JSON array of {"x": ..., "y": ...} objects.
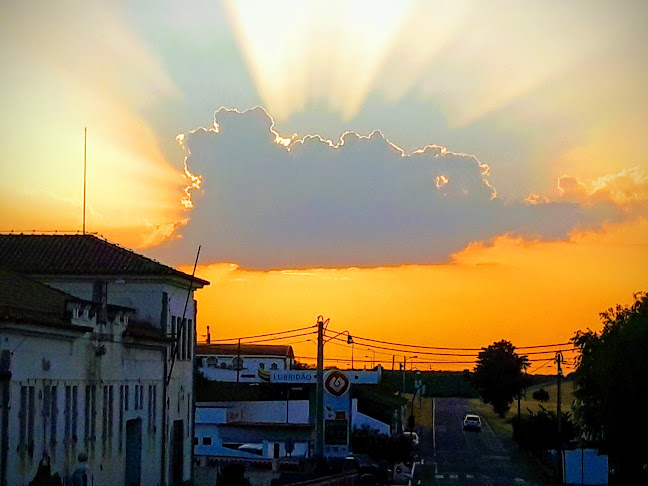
[{"x": 610, "y": 389}]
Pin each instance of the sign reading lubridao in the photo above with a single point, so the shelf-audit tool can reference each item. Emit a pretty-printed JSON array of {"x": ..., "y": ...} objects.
[{"x": 310, "y": 376}]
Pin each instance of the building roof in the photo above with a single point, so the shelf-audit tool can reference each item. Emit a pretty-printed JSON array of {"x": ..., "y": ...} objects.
[
  {"x": 283, "y": 351},
  {"x": 23, "y": 300},
  {"x": 38, "y": 254}
]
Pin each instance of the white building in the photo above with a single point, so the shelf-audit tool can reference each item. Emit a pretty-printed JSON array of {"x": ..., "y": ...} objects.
[
  {"x": 274, "y": 428},
  {"x": 245, "y": 363},
  {"x": 89, "y": 367}
]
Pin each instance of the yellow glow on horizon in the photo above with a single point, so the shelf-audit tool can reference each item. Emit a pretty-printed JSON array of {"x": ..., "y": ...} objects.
[{"x": 504, "y": 291}]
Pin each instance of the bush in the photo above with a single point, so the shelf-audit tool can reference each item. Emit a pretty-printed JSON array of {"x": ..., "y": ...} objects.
[
  {"x": 541, "y": 395},
  {"x": 395, "y": 448},
  {"x": 537, "y": 431}
]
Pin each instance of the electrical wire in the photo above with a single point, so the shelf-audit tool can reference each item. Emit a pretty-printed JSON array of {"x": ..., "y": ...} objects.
[
  {"x": 417, "y": 346},
  {"x": 279, "y": 338},
  {"x": 434, "y": 353},
  {"x": 263, "y": 335}
]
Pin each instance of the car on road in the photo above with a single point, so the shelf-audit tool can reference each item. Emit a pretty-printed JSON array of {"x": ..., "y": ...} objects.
[
  {"x": 414, "y": 437},
  {"x": 472, "y": 422}
]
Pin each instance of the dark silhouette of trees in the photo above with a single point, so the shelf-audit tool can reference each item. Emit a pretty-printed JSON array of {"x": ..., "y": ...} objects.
[
  {"x": 611, "y": 387},
  {"x": 541, "y": 395},
  {"x": 536, "y": 431},
  {"x": 499, "y": 375},
  {"x": 392, "y": 448}
]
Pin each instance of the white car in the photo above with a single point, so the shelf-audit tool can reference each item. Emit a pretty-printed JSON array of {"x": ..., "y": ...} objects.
[{"x": 472, "y": 422}]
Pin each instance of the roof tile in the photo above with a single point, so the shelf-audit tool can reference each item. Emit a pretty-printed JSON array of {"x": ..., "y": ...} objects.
[{"x": 77, "y": 255}]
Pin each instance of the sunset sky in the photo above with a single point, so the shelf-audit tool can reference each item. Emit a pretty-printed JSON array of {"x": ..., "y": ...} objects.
[{"x": 435, "y": 173}]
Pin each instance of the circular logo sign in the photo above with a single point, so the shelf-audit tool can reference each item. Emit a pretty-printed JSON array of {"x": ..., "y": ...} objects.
[{"x": 336, "y": 383}]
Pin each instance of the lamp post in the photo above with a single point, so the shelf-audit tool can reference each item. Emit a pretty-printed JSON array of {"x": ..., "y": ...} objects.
[
  {"x": 410, "y": 422},
  {"x": 405, "y": 368}
]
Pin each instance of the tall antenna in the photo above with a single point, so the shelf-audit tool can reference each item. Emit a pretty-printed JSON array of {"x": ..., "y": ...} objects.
[{"x": 85, "y": 140}]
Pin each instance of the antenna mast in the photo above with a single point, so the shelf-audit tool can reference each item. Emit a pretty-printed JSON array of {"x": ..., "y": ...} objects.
[{"x": 85, "y": 140}]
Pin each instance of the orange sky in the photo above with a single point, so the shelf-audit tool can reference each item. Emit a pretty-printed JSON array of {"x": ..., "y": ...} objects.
[
  {"x": 551, "y": 96},
  {"x": 527, "y": 292}
]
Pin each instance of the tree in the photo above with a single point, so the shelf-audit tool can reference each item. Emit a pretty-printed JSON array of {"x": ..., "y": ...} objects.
[
  {"x": 541, "y": 395},
  {"x": 499, "y": 375},
  {"x": 611, "y": 386}
]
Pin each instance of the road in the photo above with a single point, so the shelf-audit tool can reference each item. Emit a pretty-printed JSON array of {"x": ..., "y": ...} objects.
[{"x": 470, "y": 458}]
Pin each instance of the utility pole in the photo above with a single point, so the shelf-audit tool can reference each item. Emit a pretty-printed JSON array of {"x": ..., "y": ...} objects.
[
  {"x": 559, "y": 360},
  {"x": 238, "y": 362},
  {"x": 319, "y": 391},
  {"x": 85, "y": 143}
]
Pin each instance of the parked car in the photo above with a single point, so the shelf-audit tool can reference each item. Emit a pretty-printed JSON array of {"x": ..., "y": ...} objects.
[
  {"x": 472, "y": 422},
  {"x": 422, "y": 473},
  {"x": 415, "y": 438}
]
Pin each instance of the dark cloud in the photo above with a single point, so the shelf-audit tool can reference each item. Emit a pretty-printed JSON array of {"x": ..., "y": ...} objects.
[{"x": 357, "y": 201}]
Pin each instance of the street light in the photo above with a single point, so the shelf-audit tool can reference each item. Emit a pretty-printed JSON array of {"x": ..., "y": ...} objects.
[
  {"x": 410, "y": 422},
  {"x": 373, "y": 358},
  {"x": 405, "y": 367}
]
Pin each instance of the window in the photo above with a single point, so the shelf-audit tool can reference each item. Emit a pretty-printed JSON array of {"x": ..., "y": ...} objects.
[
  {"x": 141, "y": 397},
  {"x": 154, "y": 408},
  {"x": 189, "y": 338},
  {"x": 71, "y": 413},
  {"x": 136, "y": 401},
  {"x": 90, "y": 415},
  {"x": 121, "y": 416},
  {"x": 107, "y": 419},
  {"x": 26, "y": 421},
  {"x": 53, "y": 414},
  {"x": 75, "y": 411},
  {"x": 126, "y": 397},
  {"x": 207, "y": 441},
  {"x": 104, "y": 420},
  {"x": 195, "y": 440},
  {"x": 223, "y": 365},
  {"x": 273, "y": 366},
  {"x": 261, "y": 366},
  {"x": 183, "y": 339},
  {"x": 212, "y": 362},
  {"x": 237, "y": 363},
  {"x": 150, "y": 409}
]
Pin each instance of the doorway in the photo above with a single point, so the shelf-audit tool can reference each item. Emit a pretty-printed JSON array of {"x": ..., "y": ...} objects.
[
  {"x": 133, "y": 452},
  {"x": 177, "y": 452}
]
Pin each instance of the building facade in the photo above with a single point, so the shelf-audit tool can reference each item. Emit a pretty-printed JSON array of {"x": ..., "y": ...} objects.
[
  {"x": 245, "y": 363},
  {"x": 109, "y": 378}
]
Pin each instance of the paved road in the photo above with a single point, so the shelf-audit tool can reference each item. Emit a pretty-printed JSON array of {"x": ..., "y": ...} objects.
[{"x": 470, "y": 458}]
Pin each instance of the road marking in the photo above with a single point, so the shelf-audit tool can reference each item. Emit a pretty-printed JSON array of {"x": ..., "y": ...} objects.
[
  {"x": 470, "y": 476},
  {"x": 454, "y": 476},
  {"x": 439, "y": 476}
]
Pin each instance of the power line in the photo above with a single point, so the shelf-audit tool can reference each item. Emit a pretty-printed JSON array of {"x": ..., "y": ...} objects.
[
  {"x": 263, "y": 335},
  {"x": 434, "y": 353},
  {"x": 417, "y": 346},
  {"x": 279, "y": 338}
]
